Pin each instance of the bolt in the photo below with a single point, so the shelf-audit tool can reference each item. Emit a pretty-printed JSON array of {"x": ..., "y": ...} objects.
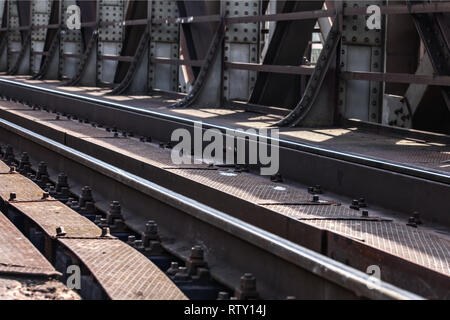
[
  {"x": 131, "y": 240},
  {"x": 412, "y": 222},
  {"x": 223, "y": 296},
  {"x": 97, "y": 219},
  {"x": 105, "y": 232},
  {"x": 24, "y": 163},
  {"x": 150, "y": 233},
  {"x": 12, "y": 169},
  {"x": 276, "y": 177},
  {"x": 362, "y": 202},
  {"x": 45, "y": 195},
  {"x": 114, "y": 213},
  {"x": 173, "y": 269},
  {"x": 416, "y": 216},
  {"x": 248, "y": 282},
  {"x": 9, "y": 155},
  {"x": 197, "y": 252},
  {"x": 315, "y": 198},
  {"x": 196, "y": 260},
  {"x": 86, "y": 195},
  {"x": 355, "y": 204},
  {"x": 247, "y": 289},
  {"x": 60, "y": 232},
  {"x": 42, "y": 171},
  {"x": 12, "y": 196},
  {"x": 365, "y": 213},
  {"x": 182, "y": 274},
  {"x": 103, "y": 223},
  {"x": 62, "y": 182}
]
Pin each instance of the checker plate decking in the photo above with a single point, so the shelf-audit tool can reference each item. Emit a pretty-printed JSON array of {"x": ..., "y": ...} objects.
[
  {"x": 4, "y": 168},
  {"x": 24, "y": 188},
  {"x": 18, "y": 255},
  {"x": 124, "y": 273},
  {"x": 52, "y": 214}
]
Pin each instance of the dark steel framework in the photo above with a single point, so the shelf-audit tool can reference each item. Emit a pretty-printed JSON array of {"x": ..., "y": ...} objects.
[{"x": 221, "y": 52}]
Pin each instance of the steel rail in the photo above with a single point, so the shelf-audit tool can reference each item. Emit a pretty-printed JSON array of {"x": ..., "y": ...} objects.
[
  {"x": 360, "y": 159},
  {"x": 316, "y": 265},
  {"x": 346, "y": 174}
]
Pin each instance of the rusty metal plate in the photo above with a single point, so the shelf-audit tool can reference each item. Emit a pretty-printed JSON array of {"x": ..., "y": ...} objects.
[
  {"x": 123, "y": 272},
  {"x": 18, "y": 255},
  {"x": 52, "y": 214},
  {"x": 412, "y": 244},
  {"x": 24, "y": 188},
  {"x": 4, "y": 168}
]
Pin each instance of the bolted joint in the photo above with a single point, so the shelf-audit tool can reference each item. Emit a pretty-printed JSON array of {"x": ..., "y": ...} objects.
[
  {"x": 182, "y": 275},
  {"x": 86, "y": 196},
  {"x": 106, "y": 233},
  {"x": 355, "y": 204},
  {"x": 196, "y": 260},
  {"x": 151, "y": 240},
  {"x": 131, "y": 240},
  {"x": 173, "y": 269},
  {"x": 62, "y": 182},
  {"x": 150, "y": 233},
  {"x": 114, "y": 213},
  {"x": 276, "y": 177},
  {"x": 412, "y": 222},
  {"x": 24, "y": 163},
  {"x": 247, "y": 289}
]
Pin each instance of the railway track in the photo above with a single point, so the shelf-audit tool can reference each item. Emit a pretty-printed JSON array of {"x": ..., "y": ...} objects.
[
  {"x": 77, "y": 125},
  {"x": 385, "y": 177},
  {"x": 231, "y": 246}
]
